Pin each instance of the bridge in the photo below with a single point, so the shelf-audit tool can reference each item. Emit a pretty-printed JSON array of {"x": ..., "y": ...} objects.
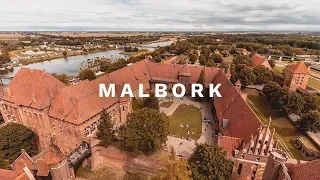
[{"x": 78, "y": 154}]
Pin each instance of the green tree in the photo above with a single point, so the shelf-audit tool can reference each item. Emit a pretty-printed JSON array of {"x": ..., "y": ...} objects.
[
  {"x": 105, "y": 129},
  {"x": 234, "y": 51},
  {"x": 173, "y": 168},
  {"x": 13, "y": 138},
  {"x": 193, "y": 58},
  {"x": 144, "y": 131},
  {"x": 263, "y": 74},
  {"x": 151, "y": 102},
  {"x": 202, "y": 59},
  {"x": 246, "y": 76},
  {"x": 310, "y": 121},
  {"x": 312, "y": 102},
  {"x": 217, "y": 58},
  {"x": 274, "y": 93},
  {"x": 64, "y": 53},
  {"x": 210, "y": 63},
  {"x": 87, "y": 74},
  {"x": 292, "y": 102},
  {"x": 209, "y": 162},
  {"x": 62, "y": 77},
  {"x": 241, "y": 59}
]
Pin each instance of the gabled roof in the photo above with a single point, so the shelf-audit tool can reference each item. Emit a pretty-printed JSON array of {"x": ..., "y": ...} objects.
[
  {"x": 33, "y": 88},
  {"x": 309, "y": 170},
  {"x": 257, "y": 59},
  {"x": 8, "y": 174},
  {"x": 184, "y": 71},
  {"x": 242, "y": 120},
  {"x": 300, "y": 68},
  {"x": 229, "y": 144}
]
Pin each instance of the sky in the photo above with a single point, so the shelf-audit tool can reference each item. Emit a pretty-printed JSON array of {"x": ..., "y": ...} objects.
[{"x": 160, "y": 15}]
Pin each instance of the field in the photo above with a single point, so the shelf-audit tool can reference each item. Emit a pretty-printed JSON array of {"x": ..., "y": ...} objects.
[
  {"x": 95, "y": 34},
  {"x": 11, "y": 36},
  {"x": 283, "y": 126},
  {"x": 186, "y": 115}
]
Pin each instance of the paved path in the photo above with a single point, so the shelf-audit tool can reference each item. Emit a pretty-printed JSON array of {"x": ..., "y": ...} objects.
[{"x": 187, "y": 147}]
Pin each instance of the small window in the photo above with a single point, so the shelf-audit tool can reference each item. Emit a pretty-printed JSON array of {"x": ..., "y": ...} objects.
[{"x": 123, "y": 108}]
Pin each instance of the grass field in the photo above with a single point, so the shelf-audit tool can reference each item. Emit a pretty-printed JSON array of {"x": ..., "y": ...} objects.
[
  {"x": 278, "y": 69},
  {"x": 314, "y": 83},
  {"x": 186, "y": 114},
  {"x": 284, "y": 127}
]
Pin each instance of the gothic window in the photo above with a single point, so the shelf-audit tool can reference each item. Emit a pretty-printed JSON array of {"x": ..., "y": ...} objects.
[
  {"x": 239, "y": 169},
  {"x": 123, "y": 108}
]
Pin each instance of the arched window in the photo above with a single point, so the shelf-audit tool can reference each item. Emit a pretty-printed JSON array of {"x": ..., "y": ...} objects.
[{"x": 239, "y": 169}]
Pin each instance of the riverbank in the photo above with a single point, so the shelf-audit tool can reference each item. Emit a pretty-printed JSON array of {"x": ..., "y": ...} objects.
[
  {"x": 142, "y": 51},
  {"x": 52, "y": 57}
]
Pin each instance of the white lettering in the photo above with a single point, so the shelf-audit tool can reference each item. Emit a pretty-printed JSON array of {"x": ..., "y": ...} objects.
[
  {"x": 141, "y": 94},
  {"x": 198, "y": 90},
  {"x": 160, "y": 88},
  {"x": 126, "y": 91},
  {"x": 174, "y": 90},
  {"x": 103, "y": 92},
  {"x": 214, "y": 89}
]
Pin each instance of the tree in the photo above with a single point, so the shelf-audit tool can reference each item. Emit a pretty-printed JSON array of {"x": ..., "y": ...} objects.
[
  {"x": 208, "y": 162},
  {"x": 105, "y": 129},
  {"x": 87, "y": 74},
  {"x": 193, "y": 58},
  {"x": 210, "y": 63},
  {"x": 263, "y": 74},
  {"x": 233, "y": 51},
  {"x": 202, "y": 59},
  {"x": 151, "y": 102},
  {"x": 64, "y": 53},
  {"x": 62, "y": 77},
  {"x": 241, "y": 59},
  {"x": 144, "y": 131},
  {"x": 217, "y": 58},
  {"x": 293, "y": 102},
  {"x": 246, "y": 76},
  {"x": 173, "y": 168},
  {"x": 310, "y": 121},
  {"x": 274, "y": 93},
  {"x": 312, "y": 102},
  {"x": 272, "y": 63},
  {"x": 13, "y": 138}
]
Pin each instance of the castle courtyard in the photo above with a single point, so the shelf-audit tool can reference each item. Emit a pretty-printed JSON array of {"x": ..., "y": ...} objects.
[{"x": 187, "y": 126}]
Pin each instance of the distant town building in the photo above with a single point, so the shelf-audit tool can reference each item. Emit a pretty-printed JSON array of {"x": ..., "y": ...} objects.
[
  {"x": 257, "y": 60},
  {"x": 296, "y": 76}
]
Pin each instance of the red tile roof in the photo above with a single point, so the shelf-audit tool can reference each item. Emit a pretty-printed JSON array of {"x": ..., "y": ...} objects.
[
  {"x": 242, "y": 120},
  {"x": 257, "y": 59},
  {"x": 300, "y": 68},
  {"x": 228, "y": 144},
  {"x": 34, "y": 88},
  {"x": 8, "y": 174},
  {"x": 23, "y": 160},
  {"x": 309, "y": 170}
]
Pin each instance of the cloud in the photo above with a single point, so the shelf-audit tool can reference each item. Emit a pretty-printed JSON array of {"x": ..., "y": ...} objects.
[{"x": 164, "y": 15}]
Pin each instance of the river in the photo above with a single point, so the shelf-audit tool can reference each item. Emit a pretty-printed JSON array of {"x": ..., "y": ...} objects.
[{"x": 71, "y": 65}]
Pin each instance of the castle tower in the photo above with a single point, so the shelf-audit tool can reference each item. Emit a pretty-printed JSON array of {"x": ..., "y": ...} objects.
[
  {"x": 296, "y": 76},
  {"x": 276, "y": 160},
  {"x": 250, "y": 161}
]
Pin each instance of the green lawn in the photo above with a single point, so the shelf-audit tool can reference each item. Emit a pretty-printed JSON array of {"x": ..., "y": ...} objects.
[
  {"x": 314, "y": 83},
  {"x": 186, "y": 114},
  {"x": 284, "y": 127},
  {"x": 278, "y": 69},
  {"x": 166, "y": 104}
]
